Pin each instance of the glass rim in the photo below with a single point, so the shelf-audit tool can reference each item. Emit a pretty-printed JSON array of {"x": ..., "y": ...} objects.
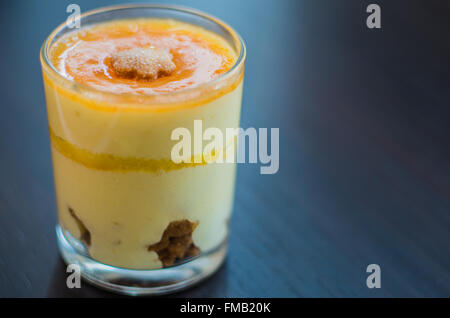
[{"x": 49, "y": 67}]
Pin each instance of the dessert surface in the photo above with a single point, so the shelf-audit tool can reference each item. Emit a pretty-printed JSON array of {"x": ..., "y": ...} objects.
[{"x": 93, "y": 56}]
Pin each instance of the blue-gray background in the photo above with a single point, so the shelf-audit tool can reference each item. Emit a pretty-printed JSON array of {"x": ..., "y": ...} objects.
[{"x": 364, "y": 173}]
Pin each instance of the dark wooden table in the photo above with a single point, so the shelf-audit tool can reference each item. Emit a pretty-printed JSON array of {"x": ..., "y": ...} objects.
[{"x": 364, "y": 118}]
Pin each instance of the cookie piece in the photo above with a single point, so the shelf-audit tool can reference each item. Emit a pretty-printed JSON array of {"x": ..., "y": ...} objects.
[
  {"x": 176, "y": 243},
  {"x": 143, "y": 63},
  {"x": 85, "y": 236}
]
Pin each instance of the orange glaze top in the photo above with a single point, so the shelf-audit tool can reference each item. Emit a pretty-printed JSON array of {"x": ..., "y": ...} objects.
[{"x": 200, "y": 56}]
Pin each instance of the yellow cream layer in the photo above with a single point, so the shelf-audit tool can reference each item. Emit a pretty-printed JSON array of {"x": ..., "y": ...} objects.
[
  {"x": 144, "y": 135},
  {"x": 127, "y": 212}
]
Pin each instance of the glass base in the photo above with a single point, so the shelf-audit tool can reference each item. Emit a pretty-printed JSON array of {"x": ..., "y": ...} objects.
[{"x": 140, "y": 282}]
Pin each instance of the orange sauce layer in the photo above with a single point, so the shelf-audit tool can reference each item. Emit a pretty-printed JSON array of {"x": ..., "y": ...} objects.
[{"x": 199, "y": 55}]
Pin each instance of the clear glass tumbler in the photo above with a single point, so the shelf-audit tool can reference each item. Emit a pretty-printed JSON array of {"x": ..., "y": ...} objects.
[{"x": 124, "y": 206}]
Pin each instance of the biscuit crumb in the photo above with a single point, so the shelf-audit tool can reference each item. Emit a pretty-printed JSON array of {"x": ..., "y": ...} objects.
[
  {"x": 85, "y": 235},
  {"x": 143, "y": 63},
  {"x": 176, "y": 243}
]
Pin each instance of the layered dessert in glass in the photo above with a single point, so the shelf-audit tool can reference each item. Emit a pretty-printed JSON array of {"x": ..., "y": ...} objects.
[{"x": 134, "y": 219}]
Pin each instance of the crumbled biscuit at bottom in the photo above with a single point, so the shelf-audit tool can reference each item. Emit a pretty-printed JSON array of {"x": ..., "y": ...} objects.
[
  {"x": 85, "y": 235},
  {"x": 143, "y": 63},
  {"x": 176, "y": 243}
]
